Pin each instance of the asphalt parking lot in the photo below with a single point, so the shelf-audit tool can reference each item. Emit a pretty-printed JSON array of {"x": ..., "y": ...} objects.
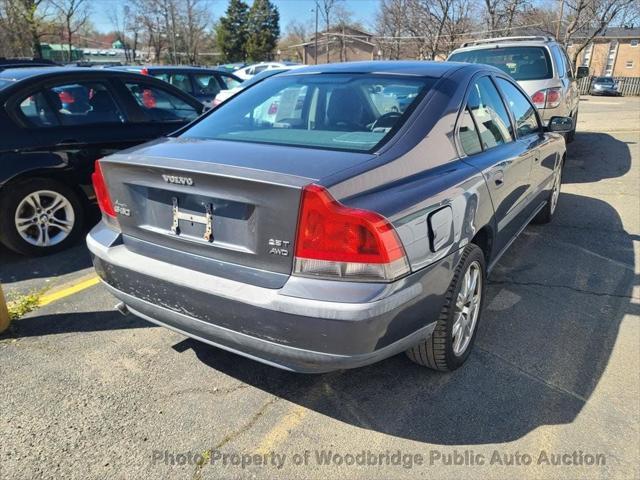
[{"x": 88, "y": 393}]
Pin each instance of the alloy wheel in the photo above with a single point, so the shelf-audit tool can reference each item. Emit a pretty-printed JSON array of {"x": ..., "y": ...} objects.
[
  {"x": 555, "y": 194},
  {"x": 44, "y": 218},
  {"x": 467, "y": 309}
]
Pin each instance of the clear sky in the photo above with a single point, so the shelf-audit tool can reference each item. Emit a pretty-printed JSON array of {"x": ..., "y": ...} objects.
[{"x": 299, "y": 10}]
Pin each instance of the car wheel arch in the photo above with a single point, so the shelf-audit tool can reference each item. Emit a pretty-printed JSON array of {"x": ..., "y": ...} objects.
[
  {"x": 484, "y": 240},
  {"x": 57, "y": 175}
]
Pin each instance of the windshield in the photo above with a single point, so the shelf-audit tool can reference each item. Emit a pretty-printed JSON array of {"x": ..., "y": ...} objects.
[
  {"x": 605, "y": 80},
  {"x": 522, "y": 63},
  {"x": 356, "y": 112}
]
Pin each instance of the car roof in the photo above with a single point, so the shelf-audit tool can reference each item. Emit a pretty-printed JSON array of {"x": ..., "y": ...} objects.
[
  {"x": 18, "y": 74},
  {"x": 494, "y": 43},
  {"x": 414, "y": 68},
  {"x": 180, "y": 67}
]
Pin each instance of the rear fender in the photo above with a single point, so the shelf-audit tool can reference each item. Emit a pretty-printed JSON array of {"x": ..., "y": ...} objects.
[
  {"x": 18, "y": 164},
  {"x": 435, "y": 213}
]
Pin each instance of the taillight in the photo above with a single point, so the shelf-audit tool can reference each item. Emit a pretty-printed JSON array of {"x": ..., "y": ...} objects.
[
  {"x": 547, "y": 98},
  {"x": 538, "y": 98},
  {"x": 102, "y": 194},
  {"x": 553, "y": 97},
  {"x": 144, "y": 71},
  {"x": 337, "y": 242}
]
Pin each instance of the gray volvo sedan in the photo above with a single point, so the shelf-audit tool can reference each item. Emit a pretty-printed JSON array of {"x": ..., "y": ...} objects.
[{"x": 331, "y": 216}]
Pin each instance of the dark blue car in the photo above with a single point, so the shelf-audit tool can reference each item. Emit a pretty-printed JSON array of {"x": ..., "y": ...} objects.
[
  {"x": 201, "y": 83},
  {"x": 356, "y": 220}
]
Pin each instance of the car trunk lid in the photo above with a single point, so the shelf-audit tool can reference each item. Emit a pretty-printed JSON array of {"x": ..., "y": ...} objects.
[{"x": 234, "y": 207}]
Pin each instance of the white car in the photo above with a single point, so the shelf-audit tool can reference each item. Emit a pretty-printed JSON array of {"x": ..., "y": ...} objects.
[
  {"x": 226, "y": 94},
  {"x": 539, "y": 64},
  {"x": 248, "y": 72}
]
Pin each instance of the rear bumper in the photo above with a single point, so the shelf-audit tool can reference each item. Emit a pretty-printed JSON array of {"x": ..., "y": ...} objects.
[
  {"x": 297, "y": 329},
  {"x": 560, "y": 111}
]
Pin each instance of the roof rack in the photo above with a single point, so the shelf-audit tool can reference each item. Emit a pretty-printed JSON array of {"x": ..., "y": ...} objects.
[{"x": 544, "y": 38}]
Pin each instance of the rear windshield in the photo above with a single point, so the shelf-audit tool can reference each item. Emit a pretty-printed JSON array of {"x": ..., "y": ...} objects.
[
  {"x": 356, "y": 112},
  {"x": 522, "y": 63},
  {"x": 5, "y": 83}
]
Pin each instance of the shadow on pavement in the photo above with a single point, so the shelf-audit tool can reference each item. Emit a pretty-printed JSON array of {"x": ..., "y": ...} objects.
[
  {"x": 72, "y": 322},
  {"x": 16, "y": 268},
  {"x": 554, "y": 307},
  {"x": 595, "y": 156}
]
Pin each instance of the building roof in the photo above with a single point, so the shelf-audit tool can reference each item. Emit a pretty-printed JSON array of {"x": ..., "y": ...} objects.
[
  {"x": 347, "y": 30},
  {"x": 613, "y": 32},
  {"x": 58, "y": 47},
  {"x": 610, "y": 32}
]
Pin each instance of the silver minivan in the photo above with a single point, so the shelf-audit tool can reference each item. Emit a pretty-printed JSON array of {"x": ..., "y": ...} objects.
[{"x": 539, "y": 64}]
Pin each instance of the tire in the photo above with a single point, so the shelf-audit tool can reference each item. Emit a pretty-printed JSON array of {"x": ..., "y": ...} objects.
[
  {"x": 546, "y": 214},
  {"x": 44, "y": 231},
  {"x": 439, "y": 350}
]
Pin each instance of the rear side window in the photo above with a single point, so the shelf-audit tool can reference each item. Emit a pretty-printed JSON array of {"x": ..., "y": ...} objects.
[
  {"x": 559, "y": 60},
  {"x": 567, "y": 63},
  {"x": 178, "y": 80},
  {"x": 206, "y": 84},
  {"x": 489, "y": 113},
  {"x": 160, "y": 105},
  {"x": 181, "y": 81},
  {"x": 229, "y": 82},
  {"x": 522, "y": 63},
  {"x": 38, "y": 111},
  {"x": 469, "y": 134},
  {"x": 83, "y": 103},
  {"x": 523, "y": 112}
]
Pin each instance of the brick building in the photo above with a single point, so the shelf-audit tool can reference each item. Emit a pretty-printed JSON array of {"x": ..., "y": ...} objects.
[{"x": 614, "y": 53}]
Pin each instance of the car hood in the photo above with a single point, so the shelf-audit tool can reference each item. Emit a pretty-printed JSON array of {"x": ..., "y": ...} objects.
[{"x": 313, "y": 164}]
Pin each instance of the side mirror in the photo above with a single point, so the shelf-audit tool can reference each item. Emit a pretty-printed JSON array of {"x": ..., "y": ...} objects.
[
  {"x": 560, "y": 124},
  {"x": 582, "y": 72}
]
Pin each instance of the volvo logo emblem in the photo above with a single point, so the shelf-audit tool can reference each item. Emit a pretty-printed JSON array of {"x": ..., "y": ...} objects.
[{"x": 178, "y": 180}]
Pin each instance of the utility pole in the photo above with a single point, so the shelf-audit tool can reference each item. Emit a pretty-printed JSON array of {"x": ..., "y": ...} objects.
[
  {"x": 4, "y": 312},
  {"x": 560, "y": 15},
  {"x": 316, "y": 37}
]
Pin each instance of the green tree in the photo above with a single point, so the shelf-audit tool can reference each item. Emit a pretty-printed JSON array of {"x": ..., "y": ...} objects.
[
  {"x": 231, "y": 33},
  {"x": 263, "y": 30}
]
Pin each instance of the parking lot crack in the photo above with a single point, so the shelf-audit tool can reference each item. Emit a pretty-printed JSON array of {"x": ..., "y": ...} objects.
[
  {"x": 210, "y": 391},
  {"x": 548, "y": 285},
  {"x": 206, "y": 455}
]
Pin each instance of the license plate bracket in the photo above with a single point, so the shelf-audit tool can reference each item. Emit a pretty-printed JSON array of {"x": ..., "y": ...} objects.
[{"x": 206, "y": 219}]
